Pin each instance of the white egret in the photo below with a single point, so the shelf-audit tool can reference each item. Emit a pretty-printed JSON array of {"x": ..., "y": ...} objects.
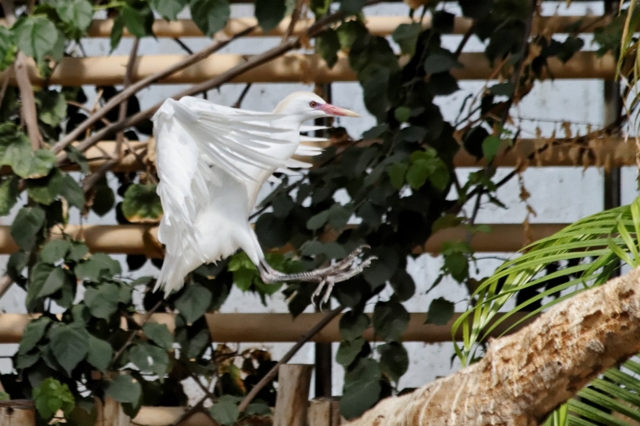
[{"x": 212, "y": 160}]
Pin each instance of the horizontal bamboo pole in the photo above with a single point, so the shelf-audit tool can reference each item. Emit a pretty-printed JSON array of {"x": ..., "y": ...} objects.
[
  {"x": 142, "y": 239},
  {"x": 614, "y": 152},
  {"x": 110, "y": 70},
  {"x": 270, "y": 327},
  {"x": 168, "y": 416},
  {"x": 377, "y": 25}
]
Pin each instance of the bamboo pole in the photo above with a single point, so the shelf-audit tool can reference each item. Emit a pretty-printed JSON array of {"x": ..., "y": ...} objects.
[
  {"x": 110, "y": 413},
  {"x": 17, "y": 413},
  {"x": 143, "y": 239},
  {"x": 324, "y": 412},
  {"x": 270, "y": 327},
  {"x": 294, "y": 381},
  {"x": 377, "y": 25},
  {"x": 168, "y": 416},
  {"x": 613, "y": 152},
  {"x": 109, "y": 70}
]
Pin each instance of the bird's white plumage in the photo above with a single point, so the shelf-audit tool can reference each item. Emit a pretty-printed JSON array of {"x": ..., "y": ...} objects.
[{"x": 212, "y": 161}]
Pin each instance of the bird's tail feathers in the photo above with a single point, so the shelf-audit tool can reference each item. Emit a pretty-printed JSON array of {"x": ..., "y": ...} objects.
[{"x": 171, "y": 278}]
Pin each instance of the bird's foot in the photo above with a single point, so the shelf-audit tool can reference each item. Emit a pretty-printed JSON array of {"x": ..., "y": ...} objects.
[
  {"x": 326, "y": 277},
  {"x": 338, "y": 272}
]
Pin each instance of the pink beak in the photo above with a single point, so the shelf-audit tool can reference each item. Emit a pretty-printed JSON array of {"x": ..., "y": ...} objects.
[{"x": 334, "y": 110}]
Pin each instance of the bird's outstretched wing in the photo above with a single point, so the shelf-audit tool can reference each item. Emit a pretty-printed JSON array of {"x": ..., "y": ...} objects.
[{"x": 197, "y": 142}]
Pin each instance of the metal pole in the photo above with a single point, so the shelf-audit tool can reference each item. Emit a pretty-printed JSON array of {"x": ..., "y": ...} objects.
[{"x": 323, "y": 355}]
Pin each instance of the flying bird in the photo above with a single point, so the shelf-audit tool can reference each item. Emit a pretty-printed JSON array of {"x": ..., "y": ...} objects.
[{"x": 212, "y": 160}]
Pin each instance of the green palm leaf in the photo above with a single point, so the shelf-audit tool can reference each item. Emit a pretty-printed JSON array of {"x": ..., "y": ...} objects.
[{"x": 594, "y": 248}]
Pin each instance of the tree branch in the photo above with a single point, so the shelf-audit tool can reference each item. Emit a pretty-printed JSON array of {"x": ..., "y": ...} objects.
[
  {"x": 525, "y": 376},
  {"x": 274, "y": 371},
  {"x": 123, "y": 105},
  {"x": 136, "y": 87}
]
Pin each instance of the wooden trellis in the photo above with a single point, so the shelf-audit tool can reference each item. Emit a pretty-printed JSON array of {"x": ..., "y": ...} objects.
[{"x": 141, "y": 239}]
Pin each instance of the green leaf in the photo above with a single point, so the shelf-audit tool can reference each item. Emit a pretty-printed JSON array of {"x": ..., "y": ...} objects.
[
  {"x": 502, "y": 89},
  {"x": 97, "y": 265},
  {"x": 269, "y": 13},
  {"x": 406, "y": 35},
  {"x": 51, "y": 396},
  {"x": 54, "y": 282},
  {"x": 159, "y": 334},
  {"x": 440, "y": 61},
  {"x": 225, "y": 412},
  {"x": 394, "y": 360},
  {"x": 348, "y": 351},
  {"x": 328, "y": 45},
  {"x": 440, "y": 311},
  {"x": 72, "y": 191},
  {"x": 69, "y": 344},
  {"x": 52, "y": 107},
  {"x": 338, "y": 216},
  {"x": 210, "y": 15},
  {"x": 397, "y": 173},
  {"x": 100, "y": 353},
  {"x": 26, "y": 226},
  {"x": 104, "y": 199},
  {"x": 78, "y": 157},
  {"x": 149, "y": 358},
  {"x": 116, "y": 32},
  {"x": 418, "y": 173},
  {"x": 33, "y": 333},
  {"x": 402, "y": 114},
  {"x": 350, "y": 31},
  {"x": 7, "y": 48},
  {"x": 78, "y": 251},
  {"x": 36, "y": 36},
  {"x": 318, "y": 221},
  {"x": 141, "y": 204},
  {"x": 103, "y": 300},
  {"x": 352, "y": 7},
  {"x": 45, "y": 190},
  {"x": 37, "y": 278},
  {"x": 168, "y": 9},
  {"x": 125, "y": 389},
  {"x": 361, "y": 388},
  {"x": 137, "y": 21},
  {"x": 353, "y": 324},
  {"x": 390, "y": 320},
  {"x": 490, "y": 147},
  {"x": 77, "y": 13},
  {"x": 55, "y": 250},
  {"x": 8, "y": 194},
  {"x": 193, "y": 303}
]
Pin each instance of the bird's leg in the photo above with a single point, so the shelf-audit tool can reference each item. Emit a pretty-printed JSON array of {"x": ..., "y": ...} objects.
[{"x": 326, "y": 277}]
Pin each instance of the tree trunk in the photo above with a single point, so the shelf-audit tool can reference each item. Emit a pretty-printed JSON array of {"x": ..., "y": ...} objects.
[{"x": 524, "y": 376}]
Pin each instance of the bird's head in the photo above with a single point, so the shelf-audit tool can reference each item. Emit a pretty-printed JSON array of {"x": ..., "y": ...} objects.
[{"x": 309, "y": 106}]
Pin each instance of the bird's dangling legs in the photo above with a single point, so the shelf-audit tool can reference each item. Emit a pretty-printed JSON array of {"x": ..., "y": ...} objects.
[{"x": 326, "y": 277}]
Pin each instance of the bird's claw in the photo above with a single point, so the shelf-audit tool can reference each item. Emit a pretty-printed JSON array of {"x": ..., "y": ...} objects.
[{"x": 340, "y": 271}]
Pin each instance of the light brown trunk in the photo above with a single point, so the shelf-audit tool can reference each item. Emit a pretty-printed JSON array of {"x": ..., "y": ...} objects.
[{"x": 524, "y": 376}]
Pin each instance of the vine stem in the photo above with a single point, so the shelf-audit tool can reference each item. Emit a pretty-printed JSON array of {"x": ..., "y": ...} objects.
[
  {"x": 134, "y": 332},
  {"x": 29, "y": 112},
  {"x": 274, "y": 371},
  {"x": 253, "y": 62}
]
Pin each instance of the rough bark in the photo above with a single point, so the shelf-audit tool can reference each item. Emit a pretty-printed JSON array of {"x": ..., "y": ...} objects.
[{"x": 524, "y": 376}]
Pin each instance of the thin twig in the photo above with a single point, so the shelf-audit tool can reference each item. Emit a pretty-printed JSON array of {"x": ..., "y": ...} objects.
[
  {"x": 238, "y": 103},
  {"x": 123, "y": 105},
  {"x": 134, "y": 332},
  {"x": 139, "y": 85},
  {"x": 28, "y": 102},
  {"x": 255, "y": 61},
  {"x": 295, "y": 16},
  {"x": 274, "y": 371}
]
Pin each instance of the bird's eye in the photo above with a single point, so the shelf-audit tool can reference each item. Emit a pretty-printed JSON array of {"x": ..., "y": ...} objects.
[{"x": 313, "y": 104}]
